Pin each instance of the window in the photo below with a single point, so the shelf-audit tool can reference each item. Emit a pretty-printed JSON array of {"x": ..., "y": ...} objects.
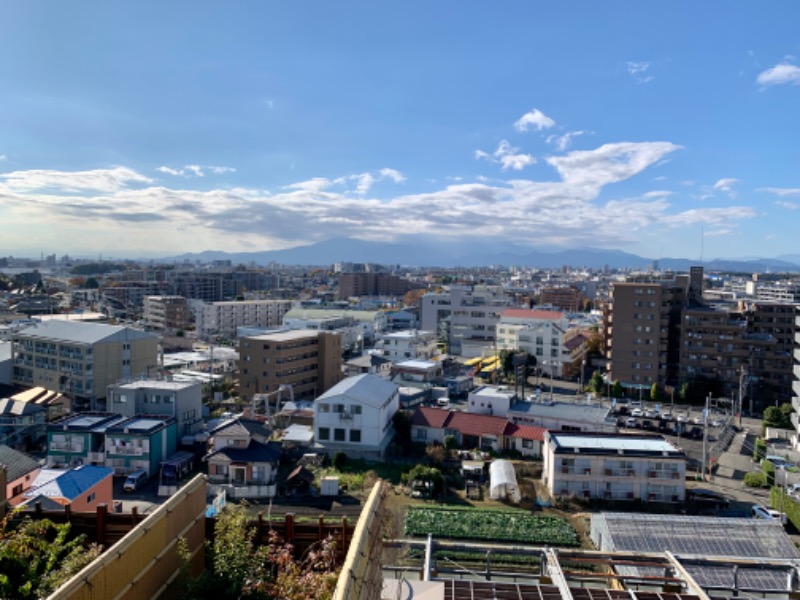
[
  {"x": 356, "y": 409},
  {"x": 421, "y": 433},
  {"x": 324, "y": 433},
  {"x": 527, "y": 443},
  {"x": 266, "y": 360},
  {"x": 338, "y": 435},
  {"x": 338, "y": 408},
  {"x": 90, "y": 498},
  {"x": 323, "y": 408},
  {"x": 355, "y": 436}
]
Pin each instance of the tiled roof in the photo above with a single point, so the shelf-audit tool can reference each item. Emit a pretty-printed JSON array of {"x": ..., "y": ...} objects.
[
  {"x": 473, "y": 424},
  {"x": 256, "y": 452},
  {"x": 523, "y": 313},
  {"x": 17, "y": 463},
  {"x": 427, "y": 416},
  {"x": 526, "y": 432}
]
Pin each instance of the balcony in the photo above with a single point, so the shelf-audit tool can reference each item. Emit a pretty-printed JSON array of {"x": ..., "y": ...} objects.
[
  {"x": 126, "y": 450},
  {"x": 66, "y": 447},
  {"x": 96, "y": 457}
]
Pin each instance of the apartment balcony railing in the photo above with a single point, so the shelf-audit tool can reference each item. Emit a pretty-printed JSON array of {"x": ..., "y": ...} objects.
[
  {"x": 66, "y": 447},
  {"x": 126, "y": 450},
  {"x": 619, "y": 472},
  {"x": 663, "y": 475},
  {"x": 576, "y": 470}
]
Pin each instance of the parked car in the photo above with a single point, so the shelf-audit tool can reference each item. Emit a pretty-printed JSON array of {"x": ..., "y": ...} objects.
[
  {"x": 717, "y": 423},
  {"x": 666, "y": 416},
  {"x": 707, "y": 498},
  {"x": 637, "y": 412},
  {"x": 698, "y": 420},
  {"x": 681, "y": 419},
  {"x": 636, "y": 404},
  {"x": 778, "y": 461},
  {"x": 631, "y": 423},
  {"x": 647, "y": 425},
  {"x": 760, "y": 512},
  {"x": 650, "y": 414},
  {"x": 135, "y": 480},
  {"x": 793, "y": 490}
]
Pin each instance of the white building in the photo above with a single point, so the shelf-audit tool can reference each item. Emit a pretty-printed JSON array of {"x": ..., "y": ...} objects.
[
  {"x": 614, "y": 466},
  {"x": 372, "y": 322},
  {"x": 182, "y": 400},
  {"x": 465, "y": 317},
  {"x": 488, "y": 400},
  {"x": 355, "y": 416},
  {"x": 350, "y": 332},
  {"x": 563, "y": 416},
  {"x": 401, "y": 346},
  {"x": 540, "y": 333},
  {"x": 222, "y": 318}
]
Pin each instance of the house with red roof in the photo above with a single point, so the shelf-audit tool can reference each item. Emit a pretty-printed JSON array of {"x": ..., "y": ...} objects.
[{"x": 485, "y": 432}]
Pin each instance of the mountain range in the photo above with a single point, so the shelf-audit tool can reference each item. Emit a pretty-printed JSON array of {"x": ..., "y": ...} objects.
[{"x": 425, "y": 252}]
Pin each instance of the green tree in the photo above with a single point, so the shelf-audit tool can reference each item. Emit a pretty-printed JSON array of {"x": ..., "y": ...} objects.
[
  {"x": 655, "y": 393},
  {"x": 775, "y": 417},
  {"x": 617, "y": 391},
  {"x": 339, "y": 460},
  {"x": 596, "y": 383},
  {"x": 451, "y": 443},
  {"x": 402, "y": 431},
  {"x": 426, "y": 474}
]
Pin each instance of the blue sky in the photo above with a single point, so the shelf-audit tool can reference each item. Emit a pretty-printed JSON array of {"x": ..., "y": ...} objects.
[{"x": 154, "y": 128}]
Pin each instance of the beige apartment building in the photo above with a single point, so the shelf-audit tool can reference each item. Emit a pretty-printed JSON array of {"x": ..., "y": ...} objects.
[
  {"x": 223, "y": 318},
  {"x": 81, "y": 360},
  {"x": 164, "y": 313},
  {"x": 308, "y": 361}
]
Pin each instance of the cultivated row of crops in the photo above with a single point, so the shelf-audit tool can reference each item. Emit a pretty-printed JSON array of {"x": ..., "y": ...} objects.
[{"x": 491, "y": 525}]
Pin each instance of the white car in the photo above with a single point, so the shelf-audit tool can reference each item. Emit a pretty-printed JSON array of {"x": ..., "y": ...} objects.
[
  {"x": 667, "y": 416},
  {"x": 681, "y": 419},
  {"x": 650, "y": 414},
  {"x": 698, "y": 420},
  {"x": 760, "y": 512},
  {"x": 637, "y": 412}
]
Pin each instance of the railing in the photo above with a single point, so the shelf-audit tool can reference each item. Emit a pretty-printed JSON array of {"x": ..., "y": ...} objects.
[
  {"x": 619, "y": 472},
  {"x": 126, "y": 450},
  {"x": 65, "y": 447}
]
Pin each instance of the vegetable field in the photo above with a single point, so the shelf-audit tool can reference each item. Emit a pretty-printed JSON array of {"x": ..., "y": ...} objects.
[{"x": 491, "y": 525}]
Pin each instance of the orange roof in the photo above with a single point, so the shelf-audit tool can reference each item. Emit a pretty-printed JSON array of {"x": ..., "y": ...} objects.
[
  {"x": 473, "y": 424},
  {"x": 428, "y": 416},
  {"x": 526, "y": 432},
  {"x": 523, "y": 313}
]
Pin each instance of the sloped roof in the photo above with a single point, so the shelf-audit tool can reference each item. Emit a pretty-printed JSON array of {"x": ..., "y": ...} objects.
[
  {"x": 300, "y": 474},
  {"x": 17, "y": 408},
  {"x": 242, "y": 427},
  {"x": 366, "y": 389},
  {"x": 256, "y": 452},
  {"x": 525, "y": 432},
  {"x": 83, "y": 333},
  {"x": 474, "y": 424},
  {"x": 428, "y": 416},
  {"x": 68, "y": 484},
  {"x": 17, "y": 463}
]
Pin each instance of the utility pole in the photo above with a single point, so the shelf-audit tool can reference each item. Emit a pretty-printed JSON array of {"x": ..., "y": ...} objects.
[
  {"x": 742, "y": 373},
  {"x": 705, "y": 437}
]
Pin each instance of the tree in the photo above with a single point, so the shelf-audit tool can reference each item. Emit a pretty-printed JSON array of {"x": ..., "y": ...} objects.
[
  {"x": 92, "y": 283},
  {"x": 339, "y": 460},
  {"x": 436, "y": 454},
  {"x": 655, "y": 393},
  {"x": 596, "y": 383},
  {"x": 402, "y": 431},
  {"x": 424, "y": 474},
  {"x": 451, "y": 443},
  {"x": 37, "y": 556},
  {"x": 617, "y": 391},
  {"x": 775, "y": 417}
]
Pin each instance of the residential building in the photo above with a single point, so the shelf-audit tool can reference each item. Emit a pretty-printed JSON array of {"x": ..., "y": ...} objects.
[
  {"x": 642, "y": 331},
  {"x": 417, "y": 373},
  {"x": 465, "y": 318},
  {"x": 566, "y": 298},
  {"x": 350, "y": 332},
  {"x": 221, "y": 319},
  {"x": 563, "y": 416},
  {"x": 413, "y": 344},
  {"x": 81, "y": 359},
  {"x": 489, "y": 400},
  {"x": 79, "y": 439},
  {"x": 355, "y": 416},
  {"x": 308, "y": 361},
  {"x": 241, "y": 460},
  {"x": 371, "y": 284},
  {"x": 796, "y": 381},
  {"x": 55, "y": 404},
  {"x": 166, "y": 313},
  {"x": 82, "y": 488},
  {"x": 485, "y": 432},
  {"x": 540, "y": 333},
  {"x": 22, "y": 424},
  {"x": 372, "y": 322},
  {"x": 20, "y": 472},
  {"x": 182, "y": 400},
  {"x": 614, "y": 466},
  {"x": 140, "y": 443},
  {"x": 369, "y": 363}
]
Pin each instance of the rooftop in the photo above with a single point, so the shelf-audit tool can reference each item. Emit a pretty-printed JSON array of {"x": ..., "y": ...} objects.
[
  {"x": 83, "y": 333},
  {"x": 604, "y": 443},
  {"x": 366, "y": 389}
]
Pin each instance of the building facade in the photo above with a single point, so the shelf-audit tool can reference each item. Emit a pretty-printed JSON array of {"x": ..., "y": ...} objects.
[
  {"x": 81, "y": 359},
  {"x": 223, "y": 318},
  {"x": 181, "y": 400},
  {"x": 540, "y": 333},
  {"x": 308, "y": 361},
  {"x": 165, "y": 313}
]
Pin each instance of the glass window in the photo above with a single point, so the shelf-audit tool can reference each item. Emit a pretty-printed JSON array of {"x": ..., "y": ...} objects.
[
  {"x": 338, "y": 435},
  {"x": 323, "y": 408},
  {"x": 355, "y": 435},
  {"x": 324, "y": 433}
]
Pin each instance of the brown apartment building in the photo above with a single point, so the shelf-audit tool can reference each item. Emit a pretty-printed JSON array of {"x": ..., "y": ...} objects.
[
  {"x": 642, "y": 330},
  {"x": 371, "y": 284},
  {"x": 309, "y": 361},
  {"x": 567, "y": 298}
]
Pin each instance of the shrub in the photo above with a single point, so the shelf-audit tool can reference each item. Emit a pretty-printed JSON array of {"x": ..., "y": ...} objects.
[
  {"x": 760, "y": 450},
  {"x": 339, "y": 460},
  {"x": 755, "y": 479},
  {"x": 769, "y": 472}
]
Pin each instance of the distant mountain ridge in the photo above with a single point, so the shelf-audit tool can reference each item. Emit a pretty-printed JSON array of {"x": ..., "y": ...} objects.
[{"x": 474, "y": 253}]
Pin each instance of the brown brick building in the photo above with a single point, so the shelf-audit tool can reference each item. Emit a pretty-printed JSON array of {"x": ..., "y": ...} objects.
[{"x": 371, "y": 284}]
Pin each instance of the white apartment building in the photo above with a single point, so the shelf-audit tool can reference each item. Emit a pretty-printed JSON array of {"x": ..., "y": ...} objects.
[
  {"x": 614, "y": 466},
  {"x": 540, "y": 333},
  {"x": 401, "y": 346},
  {"x": 372, "y": 322},
  {"x": 486, "y": 400},
  {"x": 350, "y": 332},
  {"x": 182, "y": 400},
  {"x": 465, "y": 317},
  {"x": 222, "y": 318}
]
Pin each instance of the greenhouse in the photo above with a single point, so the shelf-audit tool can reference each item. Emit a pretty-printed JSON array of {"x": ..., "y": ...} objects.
[
  {"x": 700, "y": 537},
  {"x": 503, "y": 481}
]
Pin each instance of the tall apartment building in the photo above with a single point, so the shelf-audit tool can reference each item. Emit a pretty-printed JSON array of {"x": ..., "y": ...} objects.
[
  {"x": 745, "y": 348},
  {"x": 223, "y": 318},
  {"x": 80, "y": 360},
  {"x": 309, "y": 361},
  {"x": 642, "y": 331},
  {"x": 796, "y": 379},
  {"x": 371, "y": 284},
  {"x": 163, "y": 313},
  {"x": 786, "y": 292},
  {"x": 465, "y": 318},
  {"x": 567, "y": 298}
]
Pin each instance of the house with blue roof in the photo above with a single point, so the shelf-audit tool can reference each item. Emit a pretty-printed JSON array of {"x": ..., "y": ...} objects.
[
  {"x": 141, "y": 442},
  {"x": 82, "y": 488}
]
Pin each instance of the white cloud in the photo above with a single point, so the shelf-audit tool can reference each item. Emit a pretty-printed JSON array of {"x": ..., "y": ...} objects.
[
  {"x": 101, "y": 180},
  {"x": 195, "y": 170},
  {"x": 317, "y": 184},
  {"x": 781, "y": 191},
  {"x": 726, "y": 185},
  {"x": 365, "y": 181},
  {"x": 536, "y": 119},
  {"x": 270, "y": 103},
  {"x": 780, "y": 74},
  {"x": 562, "y": 142},
  {"x": 507, "y": 156},
  {"x": 787, "y": 204},
  {"x": 639, "y": 70},
  {"x": 392, "y": 174}
]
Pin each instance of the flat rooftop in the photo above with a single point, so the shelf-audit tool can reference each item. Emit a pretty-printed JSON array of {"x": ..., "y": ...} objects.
[
  {"x": 627, "y": 444},
  {"x": 287, "y": 336}
]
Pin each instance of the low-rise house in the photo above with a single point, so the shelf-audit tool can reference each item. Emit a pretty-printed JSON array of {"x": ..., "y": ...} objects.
[
  {"x": 369, "y": 363},
  {"x": 411, "y": 344},
  {"x": 563, "y": 416},
  {"x": 22, "y": 425},
  {"x": 614, "y": 466},
  {"x": 140, "y": 443},
  {"x": 57, "y": 405},
  {"x": 475, "y": 431},
  {"x": 355, "y": 417},
  {"x": 79, "y": 439},
  {"x": 82, "y": 488},
  {"x": 489, "y": 400},
  {"x": 21, "y": 471},
  {"x": 179, "y": 399},
  {"x": 241, "y": 461},
  {"x": 417, "y": 373}
]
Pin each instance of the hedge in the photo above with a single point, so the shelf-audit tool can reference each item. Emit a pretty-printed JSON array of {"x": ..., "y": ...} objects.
[{"x": 790, "y": 506}]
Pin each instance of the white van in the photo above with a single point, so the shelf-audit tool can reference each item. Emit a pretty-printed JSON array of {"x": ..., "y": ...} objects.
[
  {"x": 135, "y": 480},
  {"x": 443, "y": 402}
]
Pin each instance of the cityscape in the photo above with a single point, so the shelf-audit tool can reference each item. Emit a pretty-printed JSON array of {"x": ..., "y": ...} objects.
[{"x": 379, "y": 302}]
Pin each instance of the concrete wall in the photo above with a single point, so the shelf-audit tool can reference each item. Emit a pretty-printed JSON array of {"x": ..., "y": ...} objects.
[{"x": 144, "y": 563}]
